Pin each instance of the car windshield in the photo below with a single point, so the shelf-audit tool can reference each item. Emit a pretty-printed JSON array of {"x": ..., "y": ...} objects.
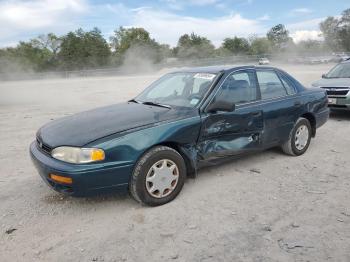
[
  {"x": 340, "y": 71},
  {"x": 184, "y": 89}
]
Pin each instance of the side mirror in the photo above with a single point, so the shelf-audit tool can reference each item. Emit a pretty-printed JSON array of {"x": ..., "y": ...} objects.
[
  {"x": 220, "y": 105},
  {"x": 324, "y": 76}
]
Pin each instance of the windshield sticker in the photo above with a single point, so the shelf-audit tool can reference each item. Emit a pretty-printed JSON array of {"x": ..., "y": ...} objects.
[
  {"x": 194, "y": 101},
  {"x": 204, "y": 76}
]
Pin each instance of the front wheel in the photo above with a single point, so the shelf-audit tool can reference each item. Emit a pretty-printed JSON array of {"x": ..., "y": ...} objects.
[
  {"x": 158, "y": 176},
  {"x": 299, "y": 138}
]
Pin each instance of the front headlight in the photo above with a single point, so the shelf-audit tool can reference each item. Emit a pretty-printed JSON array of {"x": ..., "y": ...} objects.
[{"x": 78, "y": 155}]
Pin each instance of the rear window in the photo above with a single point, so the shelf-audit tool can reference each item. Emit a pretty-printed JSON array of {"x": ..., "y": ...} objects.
[
  {"x": 288, "y": 85},
  {"x": 270, "y": 85}
]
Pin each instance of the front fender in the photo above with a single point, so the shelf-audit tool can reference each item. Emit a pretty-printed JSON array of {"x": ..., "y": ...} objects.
[{"x": 129, "y": 147}]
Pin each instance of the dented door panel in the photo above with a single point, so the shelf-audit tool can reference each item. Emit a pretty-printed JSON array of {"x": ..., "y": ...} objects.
[{"x": 230, "y": 133}]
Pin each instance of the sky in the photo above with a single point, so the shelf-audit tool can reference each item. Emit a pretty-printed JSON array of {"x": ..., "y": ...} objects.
[{"x": 166, "y": 20}]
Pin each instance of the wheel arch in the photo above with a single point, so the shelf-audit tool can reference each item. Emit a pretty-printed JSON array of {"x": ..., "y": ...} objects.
[
  {"x": 312, "y": 119},
  {"x": 188, "y": 153}
]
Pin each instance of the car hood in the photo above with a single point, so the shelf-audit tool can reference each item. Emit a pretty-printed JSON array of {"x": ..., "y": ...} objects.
[
  {"x": 83, "y": 128},
  {"x": 332, "y": 82}
]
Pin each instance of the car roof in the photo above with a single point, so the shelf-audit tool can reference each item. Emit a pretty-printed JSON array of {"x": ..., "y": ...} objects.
[{"x": 217, "y": 69}]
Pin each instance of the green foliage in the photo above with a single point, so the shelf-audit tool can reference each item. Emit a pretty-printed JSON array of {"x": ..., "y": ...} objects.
[
  {"x": 194, "y": 46},
  {"x": 82, "y": 49},
  {"x": 49, "y": 41},
  {"x": 124, "y": 38},
  {"x": 344, "y": 30},
  {"x": 24, "y": 57},
  {"x": 329, "y": 29},
  {"x": 136, "y": 44},
  {"x": 312, "y": 47},
  {"x": 222, "y": 52},
  {"x": 279, "y": 36},
  {"x": 260, "y": 46},
  {"x": 236, "y": 45},
  {"x": 165, "y": 51},
  {"x": 336, "y": 31},
  {"x": 38, "y": 57}
]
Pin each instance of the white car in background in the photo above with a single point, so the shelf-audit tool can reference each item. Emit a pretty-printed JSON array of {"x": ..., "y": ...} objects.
[
  {"x": 264, "y": 61},
  {"x": 341, "y": 57}
]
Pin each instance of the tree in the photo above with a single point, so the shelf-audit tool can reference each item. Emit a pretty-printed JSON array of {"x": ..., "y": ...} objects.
[
  {"x": 25, "y": 57},
  {"x": 127, "y": 42},
  {"x": 124, "y": 38},
  {"x": 329, "y": 29},
  {"x": 236, "y": 45},
  {"x": 222, "y": 52},
  {"x": 38, "y": 54},
  {"x": 336, "y": 32},
  {"x": 260, "y": 46},
  {"x": 97, "y": 48},
  {"x": 311, "y": 47},
  {"x": 194, "y": 46},
  {"x": 38, "y": 58},
  {"x": 51, "y": 44},
  {"x": 82, "y": 49},
  {"x": 165, "y": 51},
  {"x": 49, "y": 41},
  {"x": 344, "y": 30},
  {"x": 278, "y": 36}
]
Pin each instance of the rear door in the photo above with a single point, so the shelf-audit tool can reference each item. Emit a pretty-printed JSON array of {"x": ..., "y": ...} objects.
[
  {"x": 229, "y": 133},
  {"x": 280, "y": 104}
]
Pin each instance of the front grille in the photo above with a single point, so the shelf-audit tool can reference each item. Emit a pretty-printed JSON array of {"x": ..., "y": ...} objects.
[
  {"x": 337, "y": 91},
  {"x": 42, "y": 146},
  {"x": 338, "y": 106}
]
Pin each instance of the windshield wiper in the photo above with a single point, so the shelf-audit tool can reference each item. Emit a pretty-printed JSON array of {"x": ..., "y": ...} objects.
[
  {"x": 134, "y": 101},
  {"x": 155, "y": 104}
]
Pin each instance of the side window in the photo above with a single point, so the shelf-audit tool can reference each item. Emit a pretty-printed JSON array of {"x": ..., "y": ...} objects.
[
  {"x": 288, "y": 85},
  {"x": 270, "y": 85},
  {"x": 239, "y": 87}
]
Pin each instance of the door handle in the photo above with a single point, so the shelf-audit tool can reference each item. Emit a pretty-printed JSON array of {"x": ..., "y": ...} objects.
[
  {"x": 253, "y": 137},
  {"x": 256, "y": 113},
  {"x": 297, "y": 103}
]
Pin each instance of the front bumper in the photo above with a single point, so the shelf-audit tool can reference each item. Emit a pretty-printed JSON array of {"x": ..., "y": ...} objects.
[
  {"x": 88, "y": 179},
  {"x": 339, "y": 102}
]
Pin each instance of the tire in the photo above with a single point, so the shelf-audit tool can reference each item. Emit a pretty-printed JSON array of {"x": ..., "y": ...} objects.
[
  {"x": 156, "y": 166},
  {"x": 293, "y": 146}
]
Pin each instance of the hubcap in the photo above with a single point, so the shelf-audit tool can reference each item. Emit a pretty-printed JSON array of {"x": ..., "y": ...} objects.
[
  {"x": 301, "y": 137},
  {"x": 162, "y": 178}
]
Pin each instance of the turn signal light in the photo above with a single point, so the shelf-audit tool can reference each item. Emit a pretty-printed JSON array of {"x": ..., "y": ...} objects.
[
  {"x": 61, "y": 179},
  {"x": 97, "y": 155}
]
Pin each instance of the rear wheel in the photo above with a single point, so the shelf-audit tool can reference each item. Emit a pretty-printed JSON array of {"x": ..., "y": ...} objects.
[
  {"x": 299, "y": 138},
  {"x": 158, "y": 176}
]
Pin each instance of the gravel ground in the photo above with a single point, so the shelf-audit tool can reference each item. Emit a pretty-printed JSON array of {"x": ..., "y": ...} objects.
[{"x": 263, "y": 207}]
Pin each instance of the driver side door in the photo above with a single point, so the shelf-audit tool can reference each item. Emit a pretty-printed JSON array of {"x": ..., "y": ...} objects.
[{"x": 226, "y": 134}]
